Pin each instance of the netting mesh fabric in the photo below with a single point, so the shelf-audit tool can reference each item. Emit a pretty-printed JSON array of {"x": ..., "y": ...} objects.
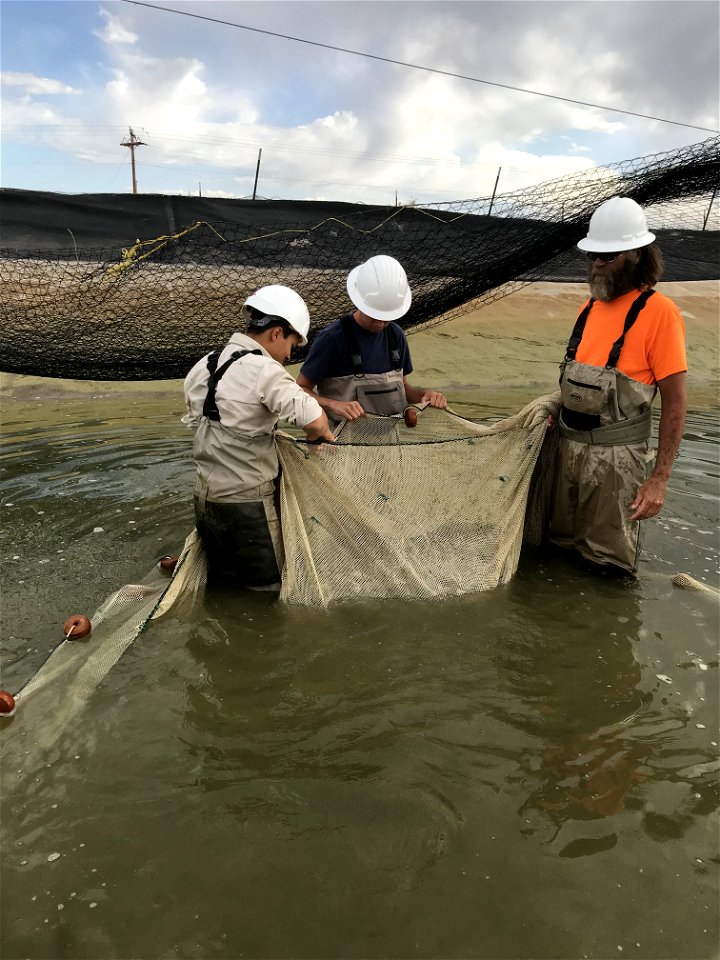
[
  {"x": 388, "y": 511},
  {"x": 150, "y": 310},
  {"x": 67, "y": 679}
]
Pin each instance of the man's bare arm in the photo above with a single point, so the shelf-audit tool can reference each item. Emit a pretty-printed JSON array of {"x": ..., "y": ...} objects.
[
  {"x": 319, "y": 429},
  {"x": 340, "y": 409},
  {"x": 651, "y": 495},
  {"x": 421, "y": 394}
]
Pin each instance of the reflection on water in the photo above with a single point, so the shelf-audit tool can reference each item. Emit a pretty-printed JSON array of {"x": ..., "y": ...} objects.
[
  {"x": 530, "y": 772},
  {"x": 583, "y": 713}
]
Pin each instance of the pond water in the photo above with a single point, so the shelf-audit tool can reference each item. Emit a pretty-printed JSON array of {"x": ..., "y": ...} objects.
[{"x": 530, "y": 772}]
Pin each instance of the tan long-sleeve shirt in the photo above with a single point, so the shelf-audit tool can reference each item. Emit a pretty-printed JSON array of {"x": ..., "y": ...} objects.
[{"x": 235, "y": 457}]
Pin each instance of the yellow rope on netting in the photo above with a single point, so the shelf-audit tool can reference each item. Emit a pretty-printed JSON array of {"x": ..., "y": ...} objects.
[{"x": 131, "y": 256}]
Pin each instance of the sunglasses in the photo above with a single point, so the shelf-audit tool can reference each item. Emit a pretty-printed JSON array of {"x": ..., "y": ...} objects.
[{"x": 606, "y": 257}]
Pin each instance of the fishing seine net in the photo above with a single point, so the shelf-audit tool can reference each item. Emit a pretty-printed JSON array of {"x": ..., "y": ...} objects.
[
  {"x": 146, "y": 311},
  {"x": 393, "y": 512},
  {"x": 65, "y": 682},
  {"x": 439, "y": 510}
]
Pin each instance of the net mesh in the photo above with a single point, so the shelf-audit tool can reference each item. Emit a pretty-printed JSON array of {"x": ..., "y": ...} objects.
[
  {"x": 433, "y": 511},
  {"x": 67, "y": 679},
  {"x": 148, "y": 312}
]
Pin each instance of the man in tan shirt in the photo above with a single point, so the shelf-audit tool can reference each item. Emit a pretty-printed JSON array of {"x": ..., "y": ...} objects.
[{"x": 234, "y": 399}]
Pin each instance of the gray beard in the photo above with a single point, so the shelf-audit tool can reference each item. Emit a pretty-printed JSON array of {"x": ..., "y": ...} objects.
[{"x": 610, "y": 286}]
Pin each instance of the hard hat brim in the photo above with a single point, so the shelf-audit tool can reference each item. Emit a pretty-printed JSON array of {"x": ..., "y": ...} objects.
[
  {"x": 387, "y": 316},
  {"x": 619, "y": 246}
]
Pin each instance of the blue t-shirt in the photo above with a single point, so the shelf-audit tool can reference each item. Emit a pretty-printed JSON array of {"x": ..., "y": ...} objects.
[{"x": 329, "y": 355}]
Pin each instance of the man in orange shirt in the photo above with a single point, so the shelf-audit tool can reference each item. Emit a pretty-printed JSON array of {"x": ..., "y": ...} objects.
[{"x": 628, "y": 343}]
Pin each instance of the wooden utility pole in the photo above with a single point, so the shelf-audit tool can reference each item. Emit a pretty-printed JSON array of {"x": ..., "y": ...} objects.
[
  {"x": 492, "y": 198},
  {"x": 257, "y": 171},
  {"x": 132, "y": 143},
  {"x": 707, "y": 215}
]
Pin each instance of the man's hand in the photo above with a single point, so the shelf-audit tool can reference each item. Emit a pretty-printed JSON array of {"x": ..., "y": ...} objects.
[
  {"x": 340, "y": 409},
  {"x": 649, "y": 500},
  {"x": 318, "y": 430},
  {"x": 346, "y": 409},
  {"x": 434, "y": 398}
]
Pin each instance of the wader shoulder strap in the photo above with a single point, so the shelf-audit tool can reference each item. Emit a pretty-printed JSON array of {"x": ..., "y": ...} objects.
[
  {"x": 347, "y": 324},
  {"x": 635, "y": 308},
  {"x": 630, "y": 319},
  {"x": 393, "y": 346},
  {"x": 578, "y": 330},
  {"x": 210, "y": 409},
  {"x": 391, "y": 339}
]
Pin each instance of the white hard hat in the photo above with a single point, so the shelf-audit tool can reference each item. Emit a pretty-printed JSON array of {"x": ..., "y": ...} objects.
[
  {"x": 379, "y": 288},
  {"x": 618, "y": 224},
  {"x": 278, "y": 301}
]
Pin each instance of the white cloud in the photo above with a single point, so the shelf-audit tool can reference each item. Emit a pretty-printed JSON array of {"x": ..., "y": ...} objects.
[
  {"x": 206, "y": 99},
  {"x": 170, "y": 94},
  {"x": 35, "y": 86},
  {"x": 114, "y": 32}
]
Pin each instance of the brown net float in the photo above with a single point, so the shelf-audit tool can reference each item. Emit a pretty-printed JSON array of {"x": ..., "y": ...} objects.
[
  {"x": 7, "y": 702},
  {"x": 410, "y": 417},
  {"x": 76, "y": 627}
]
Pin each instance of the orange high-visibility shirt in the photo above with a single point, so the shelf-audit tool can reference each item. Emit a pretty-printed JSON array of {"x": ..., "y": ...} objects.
[{"x": 654, "y": 346}]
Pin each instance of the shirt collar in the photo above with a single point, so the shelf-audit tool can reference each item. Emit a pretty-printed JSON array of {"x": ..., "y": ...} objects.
[{"x": 245, "y": 342}]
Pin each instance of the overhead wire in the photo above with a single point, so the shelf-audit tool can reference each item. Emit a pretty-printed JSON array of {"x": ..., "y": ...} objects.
[
  {"x": 291, "y": 147},
  {"x": 239, "y": 177}
]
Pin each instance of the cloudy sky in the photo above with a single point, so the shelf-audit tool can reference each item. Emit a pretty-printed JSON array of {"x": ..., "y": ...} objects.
[{"x": 205, "y": 97}]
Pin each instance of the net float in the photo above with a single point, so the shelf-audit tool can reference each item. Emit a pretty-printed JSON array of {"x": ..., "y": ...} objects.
[
  {"x": 410, "y": 417},
  {"x": 76, "y": 627},
  {"x": 168, "y": 563},
  {"x": 7, "y": 702}
]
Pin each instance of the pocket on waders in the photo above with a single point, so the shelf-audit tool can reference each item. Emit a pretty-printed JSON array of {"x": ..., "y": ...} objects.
[{"x": 382, "y": 400}]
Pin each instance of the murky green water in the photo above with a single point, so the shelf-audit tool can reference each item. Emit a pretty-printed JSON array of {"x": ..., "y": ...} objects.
[{"x": 527, "y": 773}]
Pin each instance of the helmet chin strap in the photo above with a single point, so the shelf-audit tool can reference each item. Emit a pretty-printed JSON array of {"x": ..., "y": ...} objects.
[{"x": 264, "y": 321}]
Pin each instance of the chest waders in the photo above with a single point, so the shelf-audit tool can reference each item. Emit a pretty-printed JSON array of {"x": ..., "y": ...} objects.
[
  {"x": 605, "y": 423},
  {"x": 379, "y": 393},
  {"x": 242, "y": 540}
]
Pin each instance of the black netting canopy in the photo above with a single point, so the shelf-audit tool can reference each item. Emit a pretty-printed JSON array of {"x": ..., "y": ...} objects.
[{"x": 123, "y": 287}]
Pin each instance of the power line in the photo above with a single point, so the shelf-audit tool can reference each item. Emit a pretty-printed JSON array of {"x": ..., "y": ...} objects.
[
  {"x": 200, "y": 170},
  {"x": 281, "y": 147},
  {"x": 416, "y": 66}
]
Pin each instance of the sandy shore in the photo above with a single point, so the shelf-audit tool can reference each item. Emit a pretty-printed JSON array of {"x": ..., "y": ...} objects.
[{"x": 514, "y": 343}]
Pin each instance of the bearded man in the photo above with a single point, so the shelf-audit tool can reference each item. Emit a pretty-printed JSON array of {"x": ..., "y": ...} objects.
[{"x": 628, "y": 342}]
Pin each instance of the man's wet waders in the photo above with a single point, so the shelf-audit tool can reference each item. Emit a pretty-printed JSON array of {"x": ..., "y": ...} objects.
[
  {"x": 605, "y": 424},
  {"x": 379, "y": 393},
  {"x": 242, "y": 539}
]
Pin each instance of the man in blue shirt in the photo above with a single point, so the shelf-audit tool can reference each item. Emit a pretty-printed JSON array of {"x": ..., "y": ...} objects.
[{"x": 360, "y": 363}]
